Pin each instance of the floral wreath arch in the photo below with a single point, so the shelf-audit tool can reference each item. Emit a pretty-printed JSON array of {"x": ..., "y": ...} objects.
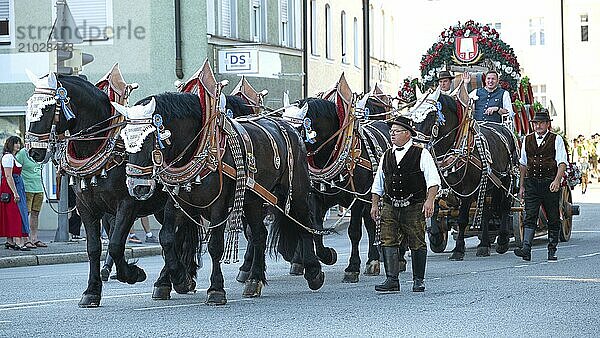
[{"x": 485, "y": 47}]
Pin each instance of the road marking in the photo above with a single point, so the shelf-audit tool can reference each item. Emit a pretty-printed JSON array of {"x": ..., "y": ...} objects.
[
  {"x": 567, "y": 279},
  {"x": 5, "y": 322},
  {"x": 589, "y": 255},
  {"x": 187, "y": 305},
  {"x": 18, "y": 306},
  {"x": 585, "y": 231}
]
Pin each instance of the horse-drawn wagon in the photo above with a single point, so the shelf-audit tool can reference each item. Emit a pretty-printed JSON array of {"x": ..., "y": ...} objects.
[{"x": 475, "y": 48}]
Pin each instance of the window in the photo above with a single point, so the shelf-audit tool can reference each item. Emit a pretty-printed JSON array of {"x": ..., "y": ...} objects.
[
  {"x": 287, "y": 28},
  {"x": 536, "y": 32},
  {"x": 259, "y": 20},
  {"x": 92, "y": 18},
  {"x": 539, "y": 93},
  {"x": 6, "y": 22},
  {"x": 356, "y": 44},
  {"x": 228, "y": 18},
  {"x": 584, "y": 27},
  {"x": 344, "y": 39},
  {"x": 313, "y": 27},
  {"x": 371, "y": 31},
  {"x": 328, "y": 32}
]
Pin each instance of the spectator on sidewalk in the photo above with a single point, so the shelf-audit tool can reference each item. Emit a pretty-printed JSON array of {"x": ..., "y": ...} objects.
[
  {"x": 150, "y": 238},
  {"x": 14, "y": 219},
  {"x": 34, "y": 191}
]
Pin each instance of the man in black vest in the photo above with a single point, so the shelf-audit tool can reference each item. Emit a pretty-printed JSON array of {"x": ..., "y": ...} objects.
[
  {"x": 408, "y": 180},
  {"x": 543, "y": 163}
]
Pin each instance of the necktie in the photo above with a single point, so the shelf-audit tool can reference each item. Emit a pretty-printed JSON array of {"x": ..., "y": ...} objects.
[
  {"x": 400, "y": 149},
  {"x": 540, "y": 137}
]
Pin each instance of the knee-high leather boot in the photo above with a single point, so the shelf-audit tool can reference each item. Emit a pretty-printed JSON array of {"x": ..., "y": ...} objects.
[
  {"x": 419, "y": 261},
  {"x": 391, "y": 262},
  {"x": 525, "y": 251}
]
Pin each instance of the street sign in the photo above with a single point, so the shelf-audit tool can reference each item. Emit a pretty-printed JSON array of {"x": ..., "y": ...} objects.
[{"x": 238, "y": 61}]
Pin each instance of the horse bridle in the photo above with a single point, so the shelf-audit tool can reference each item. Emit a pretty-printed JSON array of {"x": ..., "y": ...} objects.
[{"x": 49, "y": 141}]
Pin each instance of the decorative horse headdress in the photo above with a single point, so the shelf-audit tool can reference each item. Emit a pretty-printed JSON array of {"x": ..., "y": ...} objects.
[
  {"x": 47, "y": 92},
  {"x": 141, "y": 122}
]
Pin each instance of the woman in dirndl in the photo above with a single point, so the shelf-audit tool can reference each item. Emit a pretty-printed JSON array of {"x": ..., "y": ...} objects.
[{"x": 14, "y": 220}]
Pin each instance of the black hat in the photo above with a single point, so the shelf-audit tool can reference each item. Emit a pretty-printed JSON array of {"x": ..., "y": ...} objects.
[
  {"x": 542, "y": 116},
  {"x": 404, "y": 122},
  {"x": 444, "y": 74}
]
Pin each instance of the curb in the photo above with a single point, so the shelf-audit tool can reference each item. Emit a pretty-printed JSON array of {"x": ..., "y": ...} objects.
[{"x": 72, "y": 257}]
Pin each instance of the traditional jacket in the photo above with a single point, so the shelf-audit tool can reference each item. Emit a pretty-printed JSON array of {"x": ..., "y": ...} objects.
[
  {"x": 405, "y": 178},
  {"x": 541, "y": 161}
]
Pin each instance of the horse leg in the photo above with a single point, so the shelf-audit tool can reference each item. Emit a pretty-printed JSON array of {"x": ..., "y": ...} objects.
[
  {"x": 296, "y": 267},
  {"x": 373, "y": 266},
  {"x": 458, "y": 253},
  {"x": 505, "y": 224},
  {"x": 355, "y": 234},
  {"x": 92, "y": 295},
  {"x": 124, "y": 218},
  {"x": 244, "y": 272},
  {"x": 255, "y": 215},
  {"x": 326, "y": 255},
  {"x": 483, "y": 249},
  {"x": 186, "y": 247},
  {"x": 215, "y": 295}
]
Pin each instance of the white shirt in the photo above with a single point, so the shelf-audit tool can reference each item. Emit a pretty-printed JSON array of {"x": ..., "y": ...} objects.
[
  {"x": 9, "y": 161},
  {"x": 559, "y": 146},
  {"x": 427, "y": 166}
]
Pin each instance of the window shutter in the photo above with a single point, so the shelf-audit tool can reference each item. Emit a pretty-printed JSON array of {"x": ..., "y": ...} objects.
[
  {"x": 4, "y": 10},
  {"x": 225, "y": 18},
  {"x": 94, "y": 13},
  {"x": 284, "y": 10}
]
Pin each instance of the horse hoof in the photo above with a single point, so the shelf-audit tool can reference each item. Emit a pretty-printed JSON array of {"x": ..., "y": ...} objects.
[
  {"x": 457, "y": 256},
  {"x": 161, "y": 293},
  {"x": 189, "y": 285},
  {"x": 243, "y": 276},
  {"x": 483, "y": 251},
  {"x": 216, "y": 298},
  {"x": 88, "y": 301},
  {"x": 350, "y": 277},
  {"x": 501, "y": 248},
  {"x": 296, "y": 269},
  {"x": 139, "y": 275},
  {"x": 252, "y": 288},
  {"x": 373, "y": 268},
  {"x": 317, "y": 282},
  {"x": 332, "y": 257}
]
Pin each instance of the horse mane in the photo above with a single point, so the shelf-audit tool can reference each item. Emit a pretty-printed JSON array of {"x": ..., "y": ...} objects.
[
  {"x": 174, "y": 105},
  {"x": 86, "y": 91},
  {"x": 238, "y": 106},
  {"x": 450, "y": 104},
  {"x": 321, "y": 108}
]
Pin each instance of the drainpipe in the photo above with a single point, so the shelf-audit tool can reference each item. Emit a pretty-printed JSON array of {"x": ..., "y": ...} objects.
[
  {"x": 562, "y": 32},
  {"x": 366, "y": 46},
  {"x": 305, "y": 47},
  {"x": 178, "y": 61}
]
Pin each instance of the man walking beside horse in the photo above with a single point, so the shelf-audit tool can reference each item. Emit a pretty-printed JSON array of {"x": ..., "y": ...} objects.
[
  {"x": 408, "y": 180},
  {"x": 543, "y": 163}
]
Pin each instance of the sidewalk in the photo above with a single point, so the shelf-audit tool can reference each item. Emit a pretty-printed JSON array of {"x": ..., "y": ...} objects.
[
  {"x": 65, "y": 252},
  {"x": 75, "y": 252}
]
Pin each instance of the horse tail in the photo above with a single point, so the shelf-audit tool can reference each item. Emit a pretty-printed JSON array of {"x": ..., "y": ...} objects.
[
  {"x": 186, "y": 246},
  {"x": 284, "y": 235}
]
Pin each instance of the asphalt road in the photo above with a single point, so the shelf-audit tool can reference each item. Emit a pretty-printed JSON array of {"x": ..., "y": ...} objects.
[{"x": 500, "y": 295}]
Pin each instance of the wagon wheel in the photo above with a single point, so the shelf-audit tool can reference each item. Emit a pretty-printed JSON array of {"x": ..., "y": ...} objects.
[
  {"x": 565, "y": 208},
  {"x": 438, "y": 232}
]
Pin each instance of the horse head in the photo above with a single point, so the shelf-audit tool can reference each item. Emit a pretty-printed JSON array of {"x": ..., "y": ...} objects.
[
  {"x": 316, "y": 120},
  {"x": 60, "y": 105},
  {"x": 435, "y": 120},
  {"x": 148, "y": 142}
]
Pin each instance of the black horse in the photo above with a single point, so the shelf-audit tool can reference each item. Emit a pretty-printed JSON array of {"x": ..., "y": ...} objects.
[
  {"x": 91, "y": 108},
  {"x": 352, "y": 189},
  {"x": 457, "y": 149},
  {"x": 213, "y": 194}
]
